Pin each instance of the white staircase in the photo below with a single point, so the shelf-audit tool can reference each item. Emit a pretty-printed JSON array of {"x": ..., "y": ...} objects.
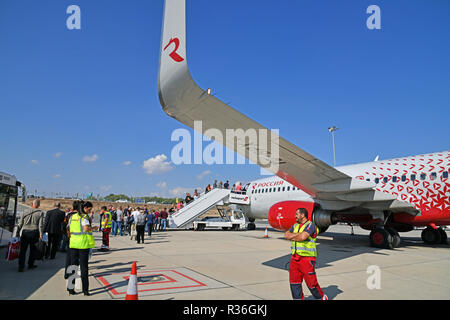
[{"x": 197, "y": 207}]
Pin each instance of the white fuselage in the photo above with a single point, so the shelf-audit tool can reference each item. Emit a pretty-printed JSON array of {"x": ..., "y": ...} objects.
[{"x": 421, "y": 180}]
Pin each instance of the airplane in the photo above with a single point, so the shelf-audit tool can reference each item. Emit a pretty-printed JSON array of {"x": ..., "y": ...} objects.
[{"x": 385, "y": 197}]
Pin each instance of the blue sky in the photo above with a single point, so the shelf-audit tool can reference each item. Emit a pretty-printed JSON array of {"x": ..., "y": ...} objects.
[{"x": 297, "y": 66}]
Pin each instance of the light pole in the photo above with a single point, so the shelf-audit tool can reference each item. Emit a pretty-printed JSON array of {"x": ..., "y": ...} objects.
[{"x": 332, "y": 130}]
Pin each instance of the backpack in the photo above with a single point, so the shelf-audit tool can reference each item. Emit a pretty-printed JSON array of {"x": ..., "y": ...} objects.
[{"x": 114, "y": 215}]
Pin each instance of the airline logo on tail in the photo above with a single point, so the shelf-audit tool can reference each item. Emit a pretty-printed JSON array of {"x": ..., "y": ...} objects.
[{"x": 174, "y": 55}]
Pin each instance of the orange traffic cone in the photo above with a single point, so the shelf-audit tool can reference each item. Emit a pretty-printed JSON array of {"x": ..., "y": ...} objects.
[
  {"x": 266, "y": 234},
  {"x": 132, "y": 291}
]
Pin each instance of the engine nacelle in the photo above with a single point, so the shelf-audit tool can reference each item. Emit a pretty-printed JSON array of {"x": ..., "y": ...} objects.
[{"x": 282, "y": 214}]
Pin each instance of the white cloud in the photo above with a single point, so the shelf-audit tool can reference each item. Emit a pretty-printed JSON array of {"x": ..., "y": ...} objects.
[
  {"x": 157, "y": 164},
  {"x": 162, "y": 185},
  {"x": 126, "y": 163},
  {"x": 34, "y": 162},
  {"x": 92, "y": 158},
  {"x": 58, "y": 154},
  {"x": 181, "y": 191},
  {"x": 105, "y": 188},
  {"x": 203, "y": 174},
  {"x": 57, "y": 176}
]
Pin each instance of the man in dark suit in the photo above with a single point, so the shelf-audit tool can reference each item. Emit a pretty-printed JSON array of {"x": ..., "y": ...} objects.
[{"x": 53, "y": 225}]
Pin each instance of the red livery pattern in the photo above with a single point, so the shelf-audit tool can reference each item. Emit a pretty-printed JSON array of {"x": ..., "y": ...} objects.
[{"x": 174, "y": 55}]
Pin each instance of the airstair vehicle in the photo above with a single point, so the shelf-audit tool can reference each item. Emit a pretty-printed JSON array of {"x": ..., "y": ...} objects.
[{"x": 230, "y": 216}]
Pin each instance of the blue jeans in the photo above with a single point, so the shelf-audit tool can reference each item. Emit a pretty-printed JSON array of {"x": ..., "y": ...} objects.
[
  {"x": 163, "y": 224},
  {"x": 119, "y": 226},
  {"x": 113, "y": 227},
  {"x": 149, "y": 228}
]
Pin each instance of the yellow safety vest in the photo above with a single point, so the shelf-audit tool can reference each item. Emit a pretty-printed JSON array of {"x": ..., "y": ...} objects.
[
  {"x": 78, "y": 238},
  {"x": 305, "y": 248},
  {"x": 109, "y": 224}
]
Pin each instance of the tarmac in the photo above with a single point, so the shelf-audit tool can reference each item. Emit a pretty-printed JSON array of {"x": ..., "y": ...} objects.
[{"x": 241, "y": 265}]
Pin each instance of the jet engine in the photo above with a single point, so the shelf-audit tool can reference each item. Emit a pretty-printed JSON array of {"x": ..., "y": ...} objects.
[{"x": 282, "y": 215}]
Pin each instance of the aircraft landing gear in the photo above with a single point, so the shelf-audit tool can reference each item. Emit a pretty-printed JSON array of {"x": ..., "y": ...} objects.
[
  {"x": 434, "y": 236},
  {"x": 443, "y": 235},
  {"x": 383, "y": 238},
  {"x": 251, "y": 226}
]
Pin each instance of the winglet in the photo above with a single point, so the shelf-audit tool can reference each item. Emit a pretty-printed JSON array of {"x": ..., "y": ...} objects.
[{"x": 173, "y": 70}]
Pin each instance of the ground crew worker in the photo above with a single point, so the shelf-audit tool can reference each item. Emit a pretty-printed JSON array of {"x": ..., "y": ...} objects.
[
  {"x": 106, "y": 224},
  {"x": 80, "y": 243},
  {"x": 303, "y": 235}
]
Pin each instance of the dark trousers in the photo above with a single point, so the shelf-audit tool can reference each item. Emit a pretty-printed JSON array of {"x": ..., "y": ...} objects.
[
  {"x": 150, "y": 228},
  {"x": 28, "y": 239},
  {"x": 68, "y": 257},
  {"x": 140, "y": 230},
  {"x": 80, "y": 257},
  {"x": 105, "y": 238},
  {"x": 52, "y": 246}
]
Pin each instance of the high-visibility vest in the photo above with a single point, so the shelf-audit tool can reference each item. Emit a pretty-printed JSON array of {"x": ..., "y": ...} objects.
[
  {"x": 108, "y": 215},
  {"x": 78, "y": 238},
  {"x": 305, "y": 248}
]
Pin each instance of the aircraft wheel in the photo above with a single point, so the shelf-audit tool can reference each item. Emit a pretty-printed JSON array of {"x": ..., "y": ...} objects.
[
  {"x": 380, "y": 238},
  {"x": 443, "y": 236},
  {"x": 235, "y": 227},
  {"x": 201, "y": 227},
  {"x": 251, "y": 226},
  {"x": 395, "y": 237},
  {"x": 322, "y": 230},
  {"x": 431, "y": 236}
]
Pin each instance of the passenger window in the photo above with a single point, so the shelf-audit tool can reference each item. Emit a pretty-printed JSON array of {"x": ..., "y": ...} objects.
[
  {"x": 394, "y": 179},
  {"x": 385, "y": 179},
  {"x": 423, "y": 176},
  {"x": 367, "y": 179},
  {"x": 377, "y": 180},
  {"x": 433, "y": 176},
  {"x": 403, "y": 178},
  {"x": 445, "y": 175},
  {"x": 266, "y": 190},
  {"x": 279, "y": 188},
  {"x": 284, "y": 188},
  {"x": 413, "y": 177},
  {"x": 288, "y": 188}
]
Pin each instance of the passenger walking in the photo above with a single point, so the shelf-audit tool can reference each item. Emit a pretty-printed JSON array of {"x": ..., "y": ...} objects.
[
  {"x": 119, "y": 213},
  {"x": 31, "y": 228},
  {"x": 156, "y": 222},
  {"x": 303, "y": 235},
  {"x": 53, "y": 223},
  {"x": 140, "y": 226},
  {"x": 134, "y": 215},
  {"x": 164, "y": 215},
  {"x": 226, "y": 185},
  {"x": 215, "y": 184},
  {"x": 150, "y": 221},
  {"x": 81, "y": 241},
  {"x": 220, "y": 185},
  {"x": 106, "y": 228},
  {"x": 113, "y": 221}
]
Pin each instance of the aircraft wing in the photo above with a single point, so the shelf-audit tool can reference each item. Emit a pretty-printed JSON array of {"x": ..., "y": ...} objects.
[{"x": 182, "y": 99}]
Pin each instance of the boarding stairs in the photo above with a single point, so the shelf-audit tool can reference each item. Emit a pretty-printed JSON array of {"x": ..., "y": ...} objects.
[{"x": 216, "y": 197}]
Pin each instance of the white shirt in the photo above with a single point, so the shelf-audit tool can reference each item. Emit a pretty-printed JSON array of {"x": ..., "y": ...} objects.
[
  {"x": 135, "y": 214},
  {"x": 119, "y": 215},
  {"x": 85, "y": 222}
]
